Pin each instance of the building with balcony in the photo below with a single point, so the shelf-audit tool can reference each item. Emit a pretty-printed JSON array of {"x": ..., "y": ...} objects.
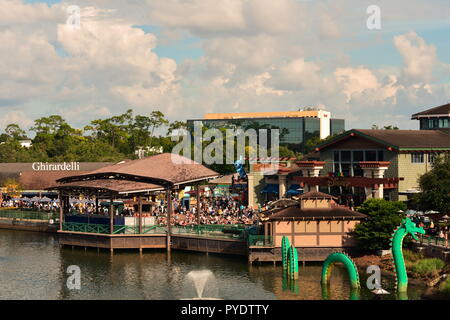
[{"x": 435, "y": 118}]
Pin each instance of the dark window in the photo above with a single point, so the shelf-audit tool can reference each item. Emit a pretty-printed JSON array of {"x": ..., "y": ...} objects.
[
  {"x": 345, "y": 169},
  {"x": 357, "y": 171},
  {"x": 371, "y": 155},
  {"x": 417, "y": 157},
  {"x": 346, "y": 156},
  {"x": 358, "y": 156},
  {"x": 380, "y": 155},
  {"x": 336, "y": 156},
  {"x": 336, "y": 168}
]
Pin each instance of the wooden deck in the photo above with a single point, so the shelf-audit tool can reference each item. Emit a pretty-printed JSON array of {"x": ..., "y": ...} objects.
[
  {"x": 112, "y": 241},
  {"x": 154, "y": 241}
]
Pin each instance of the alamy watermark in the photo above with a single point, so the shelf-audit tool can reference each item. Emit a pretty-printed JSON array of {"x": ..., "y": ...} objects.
[
  {"x": 74, "y": 280},
  {"x": 73, "y": 17},
  {"x": 374, "y": 19},
  {"x": 374, "y": 280}
]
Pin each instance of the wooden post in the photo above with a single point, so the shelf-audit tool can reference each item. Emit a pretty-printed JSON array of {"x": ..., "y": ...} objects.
[
  {"x": 111, "y": 216},
  {"x": 169, "y": 216},
  {"x": 140, "y": 214},
  {"x": 61, "y": 214},
  {"x": 198, "y": 202}
]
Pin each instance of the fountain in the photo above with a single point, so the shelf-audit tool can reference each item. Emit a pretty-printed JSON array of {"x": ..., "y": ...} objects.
[{"x": 204, "y": 283}]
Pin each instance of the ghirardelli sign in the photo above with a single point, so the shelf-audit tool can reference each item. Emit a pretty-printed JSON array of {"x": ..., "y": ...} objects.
[{"x": 64, "y": 166}]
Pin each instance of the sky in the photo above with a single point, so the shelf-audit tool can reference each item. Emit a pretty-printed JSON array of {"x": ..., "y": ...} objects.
[{"x": 190, "y": 57}]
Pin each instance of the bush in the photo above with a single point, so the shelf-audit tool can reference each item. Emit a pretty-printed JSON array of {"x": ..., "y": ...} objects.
[
  {"x": 445, "y": 286},
  {"x": 376, "y": 233},
  {"x": 428, "y": 267},
  {"x": 411, "y": 256}
]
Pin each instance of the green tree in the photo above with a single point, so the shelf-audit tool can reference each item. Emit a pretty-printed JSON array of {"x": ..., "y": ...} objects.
[
  {"x": 435, "y": 186},
  {"x": 12, "y": 187},
  {"x": 389, "y": 127},
  {"x": 384, "y": 217},
  {"x": 14, "y": 132}
]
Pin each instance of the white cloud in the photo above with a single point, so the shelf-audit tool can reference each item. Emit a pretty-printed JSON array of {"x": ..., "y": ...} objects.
[
  {"x": 419, "y": 58},
  {"x": 259, "y": 55}
]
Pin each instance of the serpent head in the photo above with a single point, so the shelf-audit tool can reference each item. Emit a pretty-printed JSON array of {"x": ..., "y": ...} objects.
[{"x": 411, "y": 228}]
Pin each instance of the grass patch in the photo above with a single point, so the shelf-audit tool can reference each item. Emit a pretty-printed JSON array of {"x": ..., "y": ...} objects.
[
  {"x": 427, "y": 267},
  {"x": 445, "y": 286},
  {"x": 412, "y": 256}
]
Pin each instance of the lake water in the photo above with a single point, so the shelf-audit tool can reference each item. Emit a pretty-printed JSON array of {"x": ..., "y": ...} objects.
[{"x": 33, "y": 266}]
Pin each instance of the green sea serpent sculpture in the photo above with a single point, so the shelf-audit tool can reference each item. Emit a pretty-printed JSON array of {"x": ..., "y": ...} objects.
[
  {"x": 406, "y": 227},
  {"x": 352, "y": 270},
  {"x": 293, "y": 263},
  {"x": 285, "y": 245}
]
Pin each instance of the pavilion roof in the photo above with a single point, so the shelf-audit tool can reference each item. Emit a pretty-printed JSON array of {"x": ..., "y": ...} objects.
[
  {"x": 315, "y": 195},
  {"x": 163, "y": 169},
  {"x": 108, "y": 186},
  {"x": 296, "y": 213}
]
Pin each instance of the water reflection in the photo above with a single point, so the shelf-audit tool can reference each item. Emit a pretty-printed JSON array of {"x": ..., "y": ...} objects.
[{"x": 34, "y": 267}]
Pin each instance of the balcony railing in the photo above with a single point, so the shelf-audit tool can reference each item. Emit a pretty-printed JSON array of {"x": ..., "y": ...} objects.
[
  {"x": 236, "y": 232},
  {"x": 430, "y": 240},
  {"x": 260, "y": 241},
  {"x": 28, "y": 214}
]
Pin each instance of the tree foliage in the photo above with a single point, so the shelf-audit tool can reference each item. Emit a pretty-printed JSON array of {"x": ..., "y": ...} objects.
[
  {"x": 12, "y": 187},
  {"x": 435, "y": 187},
  {"x": 384, "y": 217}
]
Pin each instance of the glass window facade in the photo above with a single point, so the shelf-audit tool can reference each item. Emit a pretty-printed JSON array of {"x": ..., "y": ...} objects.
[
  {"x": 294, "y": 132},
  {"x": 346, "y": 162},
  {"x": 337, "y": 126},
  {"x": 434, "y": 123}
]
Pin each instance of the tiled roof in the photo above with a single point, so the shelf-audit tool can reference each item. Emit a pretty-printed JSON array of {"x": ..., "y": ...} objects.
[
  {"x": 315, "y": 195},
  {"x": 441, "y": 110},
  {"x": 398, "y": 139},
  {"x": 295, "y": 213},
  {"x": 161, "y": 168}
]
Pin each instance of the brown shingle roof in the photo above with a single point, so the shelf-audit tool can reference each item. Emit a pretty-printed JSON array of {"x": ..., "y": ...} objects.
[
  {"x": 117, "y": 186},
  {"x": 295, "y": 213},
  {"x": 411, "y": 138},
  {"x": 316, "y": 195},
  {"x": 158, "y": 169},
  {"x": 398, "y": 139},
  {"x": 41, "y": 180},
  {"x": 441, "y": 110}
]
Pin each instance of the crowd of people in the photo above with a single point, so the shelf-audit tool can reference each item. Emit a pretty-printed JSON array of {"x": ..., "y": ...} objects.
[
  {"x": 437, "y": 230},
  {"x": 222, "y": 210}
]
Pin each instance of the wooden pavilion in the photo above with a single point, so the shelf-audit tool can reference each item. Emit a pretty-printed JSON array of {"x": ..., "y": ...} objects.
[{"x": 136, "y": 178}]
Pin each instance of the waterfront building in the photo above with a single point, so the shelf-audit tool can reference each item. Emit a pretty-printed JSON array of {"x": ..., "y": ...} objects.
[
  {"x": 127, "y": 179},
  {"x": 435, "y": 118},
  {"x": 34, "y": 178},
  {"x": 316, "y": 225},
  {"x": 296, "y": 127},
  {"x": 359, "y": 164}
]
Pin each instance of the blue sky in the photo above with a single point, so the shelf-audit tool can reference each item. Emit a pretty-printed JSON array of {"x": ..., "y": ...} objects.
[{"x": 202, "y": 56}]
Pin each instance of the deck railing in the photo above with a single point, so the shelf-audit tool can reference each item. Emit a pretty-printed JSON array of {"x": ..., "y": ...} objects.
[
  {"x": 260, "y": 241},
  {"x": 29, "y": 214},
  {"x": 429, "y": 240},
  {"x": 105, "y": 229},
  {"x": 236, "y": 232}
]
